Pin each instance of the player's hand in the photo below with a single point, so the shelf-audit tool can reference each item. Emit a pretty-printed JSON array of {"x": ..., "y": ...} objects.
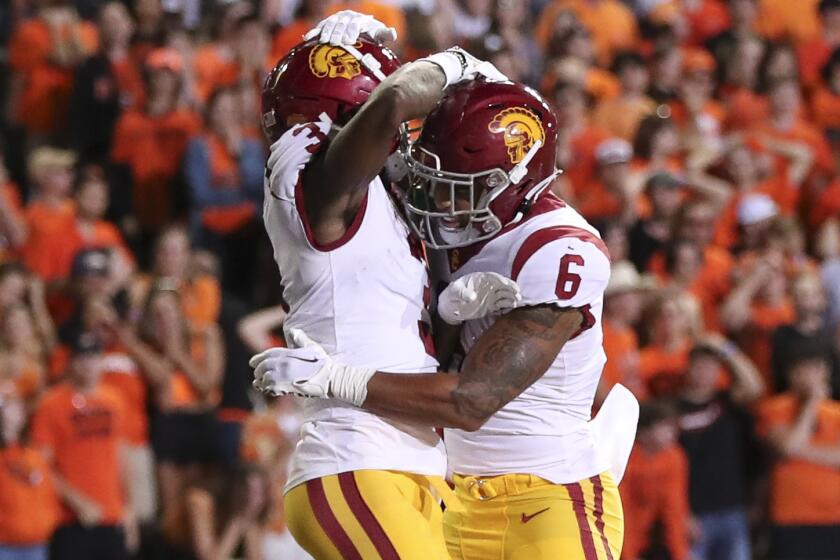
[
  {"x": 476, "y": 295},
  {"x": 344, "y": 28},
  {"x": 473, "y": 67},
  {"x": 293, "y": 371},
  {"x": 305, "y": 370}
]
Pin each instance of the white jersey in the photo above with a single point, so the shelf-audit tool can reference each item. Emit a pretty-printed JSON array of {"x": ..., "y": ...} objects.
[
  {"x": 557, "y": 258},
  {"x": 363, "y": 298}
]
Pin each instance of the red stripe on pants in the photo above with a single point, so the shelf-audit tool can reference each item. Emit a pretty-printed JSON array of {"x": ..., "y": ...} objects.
[
  {"x": 365, "y": 517},
  {"x": 598, "y": 489},
  {"x": 326, "y": 518},
  {"x": 576, "y": 493}
]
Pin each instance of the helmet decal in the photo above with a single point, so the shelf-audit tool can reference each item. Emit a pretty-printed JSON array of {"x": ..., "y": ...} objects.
[
  {"x": 522, "y": 129},
  {"x": 327, "y": 61}
]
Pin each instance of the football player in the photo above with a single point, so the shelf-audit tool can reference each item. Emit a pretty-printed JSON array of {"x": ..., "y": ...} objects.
[
  {"x": 538, "y": 479},
  {"x": 360, "y": 486}
]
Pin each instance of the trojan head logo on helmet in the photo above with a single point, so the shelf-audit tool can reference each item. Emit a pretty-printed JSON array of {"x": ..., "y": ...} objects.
[
  {"x": 521, "y": 128},
  {"x": 327, "y": 61},
  {"x": 316, "y": 78},
  {"x": 485, "y": 154}
]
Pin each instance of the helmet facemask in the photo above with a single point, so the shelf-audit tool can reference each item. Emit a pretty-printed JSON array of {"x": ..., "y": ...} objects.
[{"x": 465, "y": 216}]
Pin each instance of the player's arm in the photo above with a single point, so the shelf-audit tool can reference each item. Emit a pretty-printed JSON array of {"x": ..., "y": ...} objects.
[
  {"x": 335, "y": 181},
  {"x": 508, "y": 358}
]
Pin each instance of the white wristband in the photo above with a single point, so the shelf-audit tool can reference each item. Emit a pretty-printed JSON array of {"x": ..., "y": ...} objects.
[
  {"x": 451, "y": 64},
  {"x": 348, "y": 383}
]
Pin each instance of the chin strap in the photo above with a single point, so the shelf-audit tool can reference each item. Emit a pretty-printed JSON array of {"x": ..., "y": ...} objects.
[{"x": 532, "y": 195}]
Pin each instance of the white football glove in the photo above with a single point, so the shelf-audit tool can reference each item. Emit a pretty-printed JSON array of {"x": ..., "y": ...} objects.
[
  {"x": 476, "y": 295},
  {"x": 459, "y": 66},
  {"x": 344, "y": 28},
  {"x": 307, "y": 371}
]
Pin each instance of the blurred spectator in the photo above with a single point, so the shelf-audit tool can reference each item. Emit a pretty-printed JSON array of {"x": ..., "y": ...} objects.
[
  {"x": 28, "y": 502},
  {"x": 825, "y": 101},
  {"x": 307, "y": 16},
  {"x": 511, "y": 22},
  {"x": 24, "y": 356},
  {"x": 610, "y": 22},
  {"x": 652, "y": 233},
  {"x": 122, "y": 375},
  {"x": 106, "y": 83},
  {"x": 149, "y": 33},
  {"x": 623, "y": 300},
  {"x": 578, "y": 138},
  {"x": 745, "y": 106},
  {"x": 13, "y": 228},
  {"x": 656, "y": 146},
  {"x": 609, "y": 196},
  {"x": 757, "y": 305},
  {"x": 655, "y": 488},
  {"x": 695, "y": 223},
  {"x": 224, "y": 172},
  {"x": 80, "y": 426},
  {"x": 43, "y": 54},
  {"x": 716, "y": 434},
  {"x": 219, "y": 513},
  {"x": 815, "y": 53},
  {"x": 49, "y": 208},
  {"x": 88, "y": 230},
  {"x": 807, "y": 332},
  {"x": 150, "y": 141},
  {"x": 178, "y": 266},
  {"x": 183, "y": 365},
  {"x": 672, "y": 323},
  {"x": 621, "y": 115},
  {"x": 779, "y": 19},
  {"x": 803, "y": 427}
]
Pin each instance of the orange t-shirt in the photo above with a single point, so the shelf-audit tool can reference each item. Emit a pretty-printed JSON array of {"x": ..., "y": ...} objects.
[
  {"x": 121, "y": 374},
  {"x": 713, "y": 281},
  {"x": 795, "y": 21},
  {"x": 70, "y": 239},
  {"x": 663, "y": 371},
  {"x": 45, "y": 222},
  {"x": 12, "y": 200},
  {"x": 828, "y": 204},
  {"x": 214, "y": 68},
  {"x": 744, "y": 108},
  {"x": 391, "y": 16},
  {"x": 224, "y": 173},
  {"x": 83, "y": 434},
  {"x": 610, "y": 22},
  {"x": 289, "y": 36},
  {"x": 621, "y": 117},
  {"x": 582, "y": 164},
  {"x": 825, "y": 108},
  {"x": 655, "y": 488},
  {"x": 757, "y": 338},
  {"x": 46, "y": 86},
  {"x": 28, "y": 501},
  {"x": 803, "y": 493},
  {"x": 802, "y": 131},
  {"x": 622, "y": 349},
  {"x": 153, "y": 147}
]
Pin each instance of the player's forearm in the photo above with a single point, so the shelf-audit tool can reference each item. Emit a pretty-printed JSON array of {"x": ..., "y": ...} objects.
[{"x": 425, "y": 399}]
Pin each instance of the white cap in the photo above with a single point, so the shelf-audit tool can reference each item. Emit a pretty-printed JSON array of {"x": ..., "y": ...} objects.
[
  {"x": 614, "y": 150},
  {"x": 625, "y": 278},
  {"x": 756, "y": 208}
]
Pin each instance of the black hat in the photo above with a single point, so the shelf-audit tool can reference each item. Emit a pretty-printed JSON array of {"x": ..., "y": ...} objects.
[
  {"x": 84, "y": 343},
  {"x": 91, "y": 262}
]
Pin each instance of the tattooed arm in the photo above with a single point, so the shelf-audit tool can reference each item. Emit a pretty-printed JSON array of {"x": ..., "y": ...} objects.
[{"x": 510, "y": 356}]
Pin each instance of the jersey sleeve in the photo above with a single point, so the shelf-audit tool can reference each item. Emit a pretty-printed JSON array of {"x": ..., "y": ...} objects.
[
  {"x": 566, "y": 271},
  {"x": 290, "y": 154}
]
